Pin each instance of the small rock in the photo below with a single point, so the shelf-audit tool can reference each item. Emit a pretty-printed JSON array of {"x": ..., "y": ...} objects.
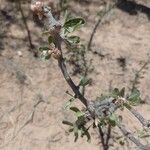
[{"x": 19, "y": 53}]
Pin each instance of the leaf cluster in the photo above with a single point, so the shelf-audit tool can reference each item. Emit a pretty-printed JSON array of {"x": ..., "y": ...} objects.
[{"x": 79, "y": 126}]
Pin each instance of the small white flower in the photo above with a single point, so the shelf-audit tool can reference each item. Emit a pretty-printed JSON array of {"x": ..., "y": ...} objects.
[{"x": 44, "y": 53}]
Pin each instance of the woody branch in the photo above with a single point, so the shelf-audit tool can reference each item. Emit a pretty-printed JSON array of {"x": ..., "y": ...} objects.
[{"x": 95, "y": 108}]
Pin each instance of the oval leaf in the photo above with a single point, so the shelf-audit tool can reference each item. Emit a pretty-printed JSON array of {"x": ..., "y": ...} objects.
[
  {"x": 84, "y": 81},
  {"x": 75, "y": 109},
  {"x": 68, "y": 103},
  {"x": 73, "y": 22},
  {"x": 113, "y": 119},
  {"x": 134, "y": 98},
  {"x": 73, "y": 39},
  {"x": 50, "y": 39},
  {"x": 67, "y": 123},
  {"x": 44, "y": 48}
]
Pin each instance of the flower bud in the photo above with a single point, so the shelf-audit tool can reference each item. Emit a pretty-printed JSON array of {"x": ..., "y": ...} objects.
[
  {"x": 56, "y": 53},
  {"x": 37, "y": 8}
]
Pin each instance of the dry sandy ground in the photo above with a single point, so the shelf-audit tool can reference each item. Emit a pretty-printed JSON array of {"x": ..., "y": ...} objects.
[{"x": 25, "y": 80}]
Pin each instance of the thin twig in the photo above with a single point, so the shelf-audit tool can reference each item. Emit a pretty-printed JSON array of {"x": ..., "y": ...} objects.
[
  {"x": 87, "y": 68},
  {"x": 108, "y": 134},
  {"x": 57, "y": 42},
  {"x": 132, "y": 138},
  {"x": 143, "y": 121},
  {"x": 105, "y": 136},
  {"x": 70, "y": 82},
  {"x": 137, "y": 74},
  {"x": 95, "y": 108},
  {"x": 101, "y": 136},
  {"x": 25, "y": 24},
  {"x": 97, "y": 24}
]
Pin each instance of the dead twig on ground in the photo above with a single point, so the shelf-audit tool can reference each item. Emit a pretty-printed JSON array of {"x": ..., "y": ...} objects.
[
  {"x": 26, "y": 25},
  {"x": 29, "y": 120}
]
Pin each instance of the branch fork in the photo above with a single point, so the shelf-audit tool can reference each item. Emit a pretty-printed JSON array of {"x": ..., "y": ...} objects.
[{"x": 95, "y": 108}]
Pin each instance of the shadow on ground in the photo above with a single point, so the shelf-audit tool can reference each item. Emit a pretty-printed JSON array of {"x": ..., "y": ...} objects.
[{"x": 133, "y": 8}]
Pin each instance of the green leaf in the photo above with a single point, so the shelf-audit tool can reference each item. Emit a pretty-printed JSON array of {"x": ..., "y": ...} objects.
[
  {"x": 115, "y": 93},
  {"x": 68, "y": 103},
  {"x": 80, "y": 121},
  {"x": 73, "y": 39},
  {"x": 43, "y": 49},
  {"x": 76, "y": 133},
  {"x": 84, "y": 132},
  {"x": 50, "y": 39},
  {"x": 143, "y": 134},
  {"x": 47, "y": 57},
  {"x": 80, "y": 113},
  {"x": 84, "y": 81},
  {"x": 75, "y": 109},
  {"x": 66, "y": 17},
  {"x": 127, "y": 105},
  {"x": 71, "y": 130},
  {"x": 76, "y": 136},
  {"x": 134, "y": 98},
  {"x": 46, "y": 32},
  {"x": 121, "y": 142},
  {"x": 122, "y": 92},
  {"x": 63, "y": 4},
  {"x": 88, "y": 136},
  {"x": 113, "y": 119},
  {"x": 67, "y": 123},
  {"x": 73, "y": 22},
  {"x": 102, "y": 122}
]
